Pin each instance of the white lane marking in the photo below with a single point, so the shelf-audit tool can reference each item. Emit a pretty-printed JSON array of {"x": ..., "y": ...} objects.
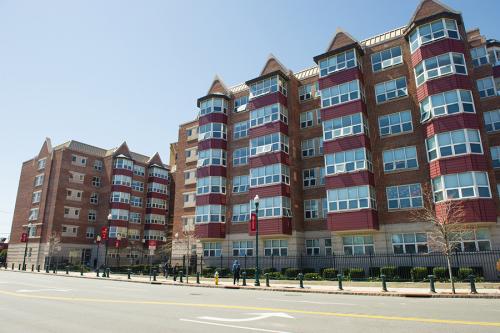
[
  {"x": 233, "y": 326},
  {"x": 308, "y": 302},
  {"x": 40, "y": 290},
  {"x": 257, "y": 316}
]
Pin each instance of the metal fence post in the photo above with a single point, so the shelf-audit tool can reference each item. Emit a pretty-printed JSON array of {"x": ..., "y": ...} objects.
[{"x": 181, "y": 273}]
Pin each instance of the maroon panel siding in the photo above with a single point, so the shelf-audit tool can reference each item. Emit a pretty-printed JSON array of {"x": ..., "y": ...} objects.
[
  {"x": 451, "y": 123},
  {"x": 124, "y": 172},
  {"x": 158, "y": 211},
  {"x": 346, "y": 143},
  {"x": 213, "y": 170},
  {"x": 211, "y": 199},
  {"x": 212, "y": 144},
  {"x": 154, "y": 226},
  {"x": 119, "y": 205},
  {"x": 216, "y": 117},
  {"x": 270, "y": 128},
  {"x": 442, "y": 84},
  {"x": 496, "y": 71},
  {"x": 269, "y": 99},
  {"x": 157, "y": 195},
  {"x": 157, "y": 180},
  {"x": 350, "y": 179},
  {"x": 345, "y": 109},
  {"x": 476, "y": 210},
  {"x": 458, "y": 164},
  {"x": 269, "y": 158},
  {"x": 366, "y": 219},
  {"x": 121, "y": 188},
  {"x": 270, "y": 191},
  {"x": 210, "y": 230},
  {"x": 274, "y": 226},
  {"x": 436, "y": 48},
  {"x": 116, "y": 223},
  {"x": 340, "y": 77}
]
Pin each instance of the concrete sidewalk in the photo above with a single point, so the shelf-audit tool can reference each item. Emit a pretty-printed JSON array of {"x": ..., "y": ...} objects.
[{"x": 349, "y": 288}]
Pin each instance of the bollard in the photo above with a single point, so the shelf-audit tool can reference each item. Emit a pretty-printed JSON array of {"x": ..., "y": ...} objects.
[
  {"x": 198, "y": 277},
  {"x": 54, "y": 270},
  {"x": 81, "y": 270},
  {"x": 47, "y": 269},
  {"x": 12, "y": 266},
  {"x": 128, "y": 273},
  {"x": 24, "y": 267},
  {"x": 301, "y": 280},
  {"x": 216, "y": 278},
  {"x": 175, "y": 276},
  {"x": 19, "y": 267},
  {"x": 32, "y": 268},
  {"x": 107, "y": 272},
  {"x": 244, "y": 275},
  {"x": 67, "y": 269},
  {"x": 472, "y": 284},
  {"x": 267, "y": 279},
  {"x": 180, "y": 276},
  {"x": 431, "y": 284},
  {"x": 384, "y": 283},
  {"x": 339, "y": 278},
  {"x": 38, "y": 268},
  {"x": 154, "y": 274},
  {"x": 97, "y": 272}
]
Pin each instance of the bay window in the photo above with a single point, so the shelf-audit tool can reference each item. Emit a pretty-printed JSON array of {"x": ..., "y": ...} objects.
[
  {"x": 338, "y": 62},
  {"x": 267, "y": 86},
  {"x": 269, "y": 143},
  {"x": 492, "y": 120},
  {"x": 210, "y": 213},
  {"x": 119, "y": 214},
  {"x": 345, "y": 126},
  {"x": 449, "y": 102},
  {"x": 241, "y": 213},
  {"x": 240, "y": 184},
  {"x": 273, "y": 207},
  {"x": 121, "y": 180},
  {"x": 123, "y": 163},
  {"x": 268, "y": 114},
  {"x": 479, "y": 56},
  {"x": 348, "y": 161},
  {"x": 157, "y": 188},
  {"x": 213, "y": 105},
  {"x": 472, "y": 184},
  {"x": 211, "y": 184},
  {"x": 154, "y": 219},
  {"x": 120, "y": 197},
  {"x": 351, "y": 198},
  {"x": 454, "y": 143},
  {"x": 158, "y": 172},
  {"x": 211, "y": 157},
  {"x": 156, "y": 203},
  {"x": 340, "y": 94},
  {"x": 426, "y": 33},
  {"x": 270, "y": 174},
  {"x": 444, "y": 64},
  {"x": 212, "y": 131}
]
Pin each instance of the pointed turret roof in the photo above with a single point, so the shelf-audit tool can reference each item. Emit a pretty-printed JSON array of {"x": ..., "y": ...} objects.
[
  {"x": 428, "y": 8},
  {"x": 218, "y": 87},
  {"x": 122, "y": 150},
  {"x": 341, "y": 41},
  {"x": 272, "y": 65},
  {"x": 156, "y": 160},
  {"x": 46, "y": 148}
]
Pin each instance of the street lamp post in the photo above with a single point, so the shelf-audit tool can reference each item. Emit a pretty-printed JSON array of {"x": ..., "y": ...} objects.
[
  {"x": 256, "y": 201},
  {"x": 118, "y": 239},
  {"x": 26, "y": 246},
  {"x": 107, "y": 243},
  {"x": 98, "y": 241}
]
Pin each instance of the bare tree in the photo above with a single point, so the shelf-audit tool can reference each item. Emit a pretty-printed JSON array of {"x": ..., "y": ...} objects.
[
  {"x": 53, "y": 243},
  {"x": 189, "y": 236}
]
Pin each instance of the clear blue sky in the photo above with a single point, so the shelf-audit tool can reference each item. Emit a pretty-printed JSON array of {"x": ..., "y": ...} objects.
[{"x": 107, "y": 71}]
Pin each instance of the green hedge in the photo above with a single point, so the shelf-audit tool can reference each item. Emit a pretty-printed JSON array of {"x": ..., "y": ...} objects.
[
  {"x": 464, "y": 272},
  {"x": 312, "y": 277},
  {"x": 440, "y": 273},
  {"x": 355, "y": 273},
  {"x": 275, "y": 275},
  {"x": 419, "y": 273},
  {"x": 291, "y": 273},
  {"x": 330, "y": 273},
  {"x": 390, "y": 272}
]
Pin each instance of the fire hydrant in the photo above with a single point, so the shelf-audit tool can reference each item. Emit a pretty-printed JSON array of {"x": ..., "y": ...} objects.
[{"x": 216, "y": 277}]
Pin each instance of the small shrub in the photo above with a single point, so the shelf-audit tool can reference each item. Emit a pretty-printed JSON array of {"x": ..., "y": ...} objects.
[
  {"x": 291, "y": 273},
  {"x": 330, "y": 273},
  {"x": 312, "y": 277},
  {"x": 250, "y": 272},
  {"x": 390, "y": 272},
  {"x": 270, "y": 270},
  {"x": 283, "y": 270},
  {"x": 225, "y": 272},
  {"x": 441, "y": 273},
  {"x": 308, "y": 270},
  {"x": 419, "y": 273},
  {"x": 356, "y": 273},
  {"x": 275, "y": 276},
  {"x": 403, "y": 273},
  {"x": 464, "y": 272},
  {"x": 208, "y": 272}
]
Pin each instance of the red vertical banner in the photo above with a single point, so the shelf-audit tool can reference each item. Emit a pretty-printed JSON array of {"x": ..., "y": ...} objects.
[
  {"x": 117, "y": 243},
  {"x": 253, "y": 222},
  {"x": 24, "y": 237},
  {"x": 104, "y": 233}
]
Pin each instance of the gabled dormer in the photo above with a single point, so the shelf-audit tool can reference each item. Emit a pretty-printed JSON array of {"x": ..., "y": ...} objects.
[
  {"x": 273, "y": 78},
  {"x": 216, "y": 100},
  {"x": 155, "y": 160}
]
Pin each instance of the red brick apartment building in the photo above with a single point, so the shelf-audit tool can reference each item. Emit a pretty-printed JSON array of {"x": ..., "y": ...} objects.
[
  {"x": 339, "y": 153},
  {"x": 71, "y": 191}
]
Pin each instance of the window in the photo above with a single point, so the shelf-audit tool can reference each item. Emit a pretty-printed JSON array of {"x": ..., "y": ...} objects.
[
  {"x": 33, "y": 215},
  {"x": 78, "y": 160},
  {"x": 435, "y": 67},
  {"x": 135, "y": 217},
  {"x": 115, "y": 231},
  {"x": 495, "y": 156},
  {"x": 404, "y": 196},
  {"x": 395, "y": 123},
  {"x": 69, "y": 231},
  {"x": 328, "y": 247},
  {"x": 312, "y": 147},
  {"x": 358, "y": 245},
  {"x": 191, "y": 154},
  {"x": 123, "y": 163},
  {"x": 345, "y": 126},
  {"x": 494, "y": 56},
  {"x": 479, "y": 56},
  {"x": 92, "y": 215},
  {"x": 492, "y": 120},
  {"x": 240, "y": 104},
  {"x": 158, "y": 235},
  {"x": 213, "y": 105},
  {"x": 155, "y": 219},
  {"x": 322, "y": 176},
  {"x": 240, "y": 156},
  {"x": 351, "y": 198},
  {"x": 311, "y": 209},
  {"x": 74, "y": 195},
  {"x": 188, "y": 222},
  {"x": 400, "y": 159},
  {"x": 426, "y": 33},
  {"x": 76, "y": 177},
  {"x": 268, "y": 114},
  {"x": 192, "y": 133},
  {"x": 211, "y": 157},
  {"x": 473, "y": 241},
  {"x": 36, "y": 197},
  {"x": 137, "y": 186},
  {"x": 348, "y": 161},
  {"x": 133, "y": 234},
  {"x": 324, "y": 207},
  {"x": 305, "y": 92},
  {"x": 189, "y": 199},
  {"x": 385, "y": 91},
  {"x": 39, "y": 180},
  {"x": 409, "y": 243},
  {"x": 240, "y": 184},
  {"x": 211, "y": 184},
  {"x": 139, "y": 170},
  {"x": 243, "y": 248},
  {"x": 98, "y": 165},
  {"x": 386, "y": 59},
  {"x": 340, "y": 94},
  {"x": 119, "y": 214},
  {"x": 461, "y": 186},
  {"x": 267, "y": 86},
  {"x": 41, "y": 163},
  {"x": 241, "y": 213},
  {"x": 273, "y": 207},
  {"x": 309, "y": 177},
  {"x": 275, "y": 247},
  {"x": 90, "y": 233},
  {"x": 310, "y": 118},
  {"x": 157, "y": 188},
  {"x": 450, "y": 102},
  {"x": 312, "y": 247},
  {"x": 158, "y": 172},
  {"x": 270, "y": 174},
  {"x": 267, "y": 143},
  {"x": 210, "y": 213},
  {"x": 212, "y": 249},
  {"x": 454, "y": 143},
  {"x": 338, "y": 62},
  {"x": 120, "y": 197},
  {"x": 486, "y": 87},
  {"x": 240, "y": 130},
  {"x": 121, "y": 180},
  {"x": 72, "y": 212},
  {"x": 156, "y": 203},
  {"x": 135, "y": 201},
  {"x": 96, "y": 181},
  {"x": 212, "y": 131},
  {"x": 94, "y": 198}
]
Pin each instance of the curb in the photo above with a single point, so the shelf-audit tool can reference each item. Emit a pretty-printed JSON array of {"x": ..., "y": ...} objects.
[{"x": 278, "y": 289}]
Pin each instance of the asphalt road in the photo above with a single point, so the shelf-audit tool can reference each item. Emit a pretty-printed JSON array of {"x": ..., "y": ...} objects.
[{"x": 45, "y": 303}]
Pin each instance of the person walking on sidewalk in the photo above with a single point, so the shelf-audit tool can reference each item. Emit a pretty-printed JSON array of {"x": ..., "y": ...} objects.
[{"x": 236, "y": 272}]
